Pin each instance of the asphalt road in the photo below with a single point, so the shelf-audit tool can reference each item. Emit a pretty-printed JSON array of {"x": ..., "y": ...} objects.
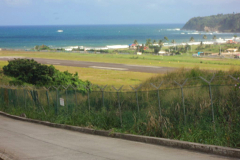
[
  {"x": 25, "y": 140},
  {"x": 100, "y": 65}
]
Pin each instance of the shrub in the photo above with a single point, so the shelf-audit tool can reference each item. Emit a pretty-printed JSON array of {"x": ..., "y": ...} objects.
[{"x": 32, "y": 72}]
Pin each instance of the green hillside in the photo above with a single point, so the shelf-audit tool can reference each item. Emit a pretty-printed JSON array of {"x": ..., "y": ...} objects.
[{"x": 220, "y": 22}]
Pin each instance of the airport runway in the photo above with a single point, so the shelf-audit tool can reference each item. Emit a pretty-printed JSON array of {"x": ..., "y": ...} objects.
[{"x": 99, "y": 65}]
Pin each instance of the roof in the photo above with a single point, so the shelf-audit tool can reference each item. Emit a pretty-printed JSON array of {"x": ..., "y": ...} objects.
[{"x": 132, "y": 45}]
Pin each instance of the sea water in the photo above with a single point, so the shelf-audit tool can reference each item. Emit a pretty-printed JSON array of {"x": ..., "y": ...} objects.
[{"x": 26, "y": 37}]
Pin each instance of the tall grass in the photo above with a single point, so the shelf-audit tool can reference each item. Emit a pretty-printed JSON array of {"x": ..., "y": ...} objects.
[{"x": 139, "y": 112}]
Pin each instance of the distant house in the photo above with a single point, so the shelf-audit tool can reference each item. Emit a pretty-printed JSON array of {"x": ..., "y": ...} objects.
[
  {"x": 161, "y": 52},
  {"x": 231, "y": 41},
  {"x": 132, "y": 46},
  {"x": 232, "y": 50},
  {"x": 144, "y": 48}
]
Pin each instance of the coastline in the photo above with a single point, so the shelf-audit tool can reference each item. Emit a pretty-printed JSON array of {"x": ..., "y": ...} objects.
[
  {"x": 113, "y": 47},
  {"x": 97, "y": 37}
]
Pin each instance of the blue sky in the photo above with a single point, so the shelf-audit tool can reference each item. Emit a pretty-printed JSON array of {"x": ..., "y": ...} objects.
[{"x": 78, "y": 12}]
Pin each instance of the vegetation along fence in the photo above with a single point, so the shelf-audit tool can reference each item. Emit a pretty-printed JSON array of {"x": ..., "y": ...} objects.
[{"x": 204, "y": 110}]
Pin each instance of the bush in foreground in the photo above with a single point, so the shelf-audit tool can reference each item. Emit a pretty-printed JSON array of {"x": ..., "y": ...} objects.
[{"x": 32, "y": 72}]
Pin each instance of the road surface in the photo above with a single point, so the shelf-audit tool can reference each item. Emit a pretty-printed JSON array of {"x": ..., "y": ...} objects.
[
  {"x": 99, "y": 65},
  {"x": 25, "y": 140}
]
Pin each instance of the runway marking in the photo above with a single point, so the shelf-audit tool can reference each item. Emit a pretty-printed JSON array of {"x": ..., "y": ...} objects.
[
  {"x": 108, "y": 68},
  {"x": 142, "y": 66},
  {"x": 53, "y": 63}
]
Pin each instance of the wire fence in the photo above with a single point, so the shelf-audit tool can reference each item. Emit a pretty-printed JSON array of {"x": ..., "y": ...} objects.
[{"x": 171, "y": 109}]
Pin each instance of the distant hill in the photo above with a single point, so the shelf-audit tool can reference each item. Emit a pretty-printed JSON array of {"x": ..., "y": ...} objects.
[{"x": 220, "y": 22}]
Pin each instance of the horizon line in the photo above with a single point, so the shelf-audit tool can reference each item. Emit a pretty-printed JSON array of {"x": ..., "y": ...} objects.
[{"x": 87, "y": 24}]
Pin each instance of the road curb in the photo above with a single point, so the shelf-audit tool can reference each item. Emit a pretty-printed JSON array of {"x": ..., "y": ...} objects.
[{"x": 210, "y": 149}]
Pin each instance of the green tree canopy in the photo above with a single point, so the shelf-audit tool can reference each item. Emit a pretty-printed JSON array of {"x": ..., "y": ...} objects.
[
  {"x": 191, "y": 39},
  {"x": 148, "y": 42},
  {"x": 135, "y": 41},
  {"x": 160, "y": 42},
  {"x": 32, "y": 72},
  {"x": 166, "y": 38}
]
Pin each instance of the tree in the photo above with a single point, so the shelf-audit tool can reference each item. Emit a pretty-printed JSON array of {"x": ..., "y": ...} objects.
[
  {"x": 135, "y": 42},
  {"x": 148, "y": 42},
  {"x": 191, "y": 39},
  {"x": 214, "y": 37},
  {"x": 205, "y": 37},
  {"x": 173, "y": 42},
  {"x": 32, "y": 72},
  {"x": 156, "y": 48},
  {"x": 154, "y": 41},
  {"x": 235, "y": 36},
  {"x": 166, "y": 38},
  {"x": 142, "y": 48},
  {"x": 160, "y": 43}
]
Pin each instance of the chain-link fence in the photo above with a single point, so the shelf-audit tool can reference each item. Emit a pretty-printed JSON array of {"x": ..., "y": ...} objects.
[{"x": 199, "y": 106}]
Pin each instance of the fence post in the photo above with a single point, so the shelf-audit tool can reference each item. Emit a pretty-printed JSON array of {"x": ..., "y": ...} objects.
[
  {"x": 47, "y": 89},
  {"x": 159, "y": 102},
  {"x": 75, "y": 91},
  {"x": 56, "y": 109},
  {"x": 136, "y": 92},
  {"x": 88, "y": 90},
  {"x": 16, "y": 93},
  {"x": 119, "y": 106},
  {"x": 66, "y": 102},
  {"x": 210, "y": 92},
  {"x": 24, "y": 92},
  {"x": 184, "y": 110},
  {"x": 102, "y": 90},
  {"x": 236, "y": 79}
]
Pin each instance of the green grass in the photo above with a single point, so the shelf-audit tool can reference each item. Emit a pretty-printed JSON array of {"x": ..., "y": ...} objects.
[
  {"x": 186, "y": 61},
  {"x": 104, "y": 77},
  {"x": 108, "y": 77},
  {"x": 198, "y": 126},
  {"x": 96, "y": 76}
]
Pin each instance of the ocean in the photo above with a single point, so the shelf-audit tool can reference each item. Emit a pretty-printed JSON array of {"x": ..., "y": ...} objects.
[{"x": 26, "y": 37}]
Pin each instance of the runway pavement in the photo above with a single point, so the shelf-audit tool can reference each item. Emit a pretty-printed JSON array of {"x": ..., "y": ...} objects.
[
  {"x": 100, "y": 65},
  {"x": 24, "y": 140}
]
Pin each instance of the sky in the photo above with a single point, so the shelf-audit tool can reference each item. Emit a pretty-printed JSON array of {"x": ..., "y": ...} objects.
[{"x": 94, "y": 12}]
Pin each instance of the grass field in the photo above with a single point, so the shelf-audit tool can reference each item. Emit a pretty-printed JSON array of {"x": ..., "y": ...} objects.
[
  {"x": 186, "y": 61},
  {"x": 108, "y": 77},
  {"x": 103, "y": 77}
]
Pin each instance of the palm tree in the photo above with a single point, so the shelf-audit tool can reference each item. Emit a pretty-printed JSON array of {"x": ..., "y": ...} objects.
[
  {"x": 166, "y": 38},
  {"x": 191, "y": 39},
  {"x": 160, "y": 42},
  {"x": 135, "y": 42},
  {"x": 214, "y": 37},
  {"x": 204, "y": 37},
  {"x": 148, "y": 42},
  {"x": 235, "y": 36},
  {"x": 154, "y": 41},
  {"x": 173, "y": 42}
]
